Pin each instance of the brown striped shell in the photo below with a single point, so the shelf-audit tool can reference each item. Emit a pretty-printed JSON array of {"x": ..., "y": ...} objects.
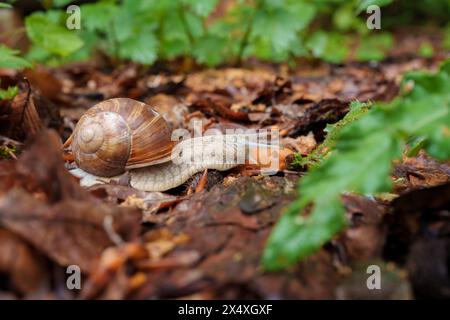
[{"x": 119, "y": 134}]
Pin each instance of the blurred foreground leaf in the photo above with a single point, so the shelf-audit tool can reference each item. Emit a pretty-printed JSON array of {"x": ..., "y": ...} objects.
[{"x": 361, "y": 162}]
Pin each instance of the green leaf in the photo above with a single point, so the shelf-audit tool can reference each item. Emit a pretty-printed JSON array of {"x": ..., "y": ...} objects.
[
  {"x": 415, "y": 145},
  {"x": 98, "y": 16},
  {"x": 438, "y": 145},
  {"x": 374, "y": 47},
  {"x": 269, "y": 37},
  {"x": 5, "y": 5},
  {"x": 90, "y": 40},
  {"x": 9, "y": 93},
  {"x": 141, "y": 48},
  {"x": 52, "y": 37},
  {"x": 304, "y": 12},
  {"x": 61, "y": 3},
  {"x": 446, "y": 41},
  {"x": 445, "y": 68},
  {"x": 428, "y": 108},
  {"x": 361, "y": 162},
  {"x": 174, "y": 40},
  {"x": 210, "y": 50},
  {"x": 9, "y": 59},
  {"x": 194, "y": 24},
  {"x": 349, "y": 169},
  {"x": 426, "y": 50},
  {"x": 330, "y": 46},
  {"x": 124, "y": 25},
  {"x": 296, "y": 237},
  {"x": 344, "y": 18},
  {"x": 39, "y": 54},
  {"x": 273, "y": 25},
  {"x": 201, "y": 7},
  {"x": 357, "y": 110}
]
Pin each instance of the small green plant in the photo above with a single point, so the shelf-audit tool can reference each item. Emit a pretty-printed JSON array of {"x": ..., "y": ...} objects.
[
  {"x": 9, "y": 93},
  {"x": 52, "y": 42},
  {"x": 360, "y": 161},
  {"x": 426, "y": 50},
  {"x": 145, "y": 31},
  {"x": 9, "y": 58},
  {"x": 357, "y": 110},
  {"x": 7, "y": 152}
]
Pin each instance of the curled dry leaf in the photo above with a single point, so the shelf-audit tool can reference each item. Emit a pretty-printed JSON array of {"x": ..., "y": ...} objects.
[
  {"x": 24, "y": 117},
  {"x": 48, "y": 208}
]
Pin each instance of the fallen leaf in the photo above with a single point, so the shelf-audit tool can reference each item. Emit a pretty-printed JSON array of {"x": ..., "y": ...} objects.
[
  {"x": 25, "y": 269},
  {"x": 49, "y": 209}
]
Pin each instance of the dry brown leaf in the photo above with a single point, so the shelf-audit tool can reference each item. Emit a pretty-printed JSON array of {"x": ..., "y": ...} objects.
[
  {"x": 24, "y": 118},
  {"x": 49, "y": 209},
  {"x": 24, "y": 267}
]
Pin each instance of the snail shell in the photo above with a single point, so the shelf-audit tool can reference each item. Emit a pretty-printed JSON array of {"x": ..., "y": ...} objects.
[{"x": 120, "y": 134}]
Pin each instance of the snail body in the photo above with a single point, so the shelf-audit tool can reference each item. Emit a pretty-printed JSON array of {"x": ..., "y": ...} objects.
[
  {"x": 164, "y": 176},
  {"x": 168, "y": 175},
  {"x": 124, "y": 135}
]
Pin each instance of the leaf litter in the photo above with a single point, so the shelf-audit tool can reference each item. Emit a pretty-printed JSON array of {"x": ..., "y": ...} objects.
[{"x": 134, "y": 244}]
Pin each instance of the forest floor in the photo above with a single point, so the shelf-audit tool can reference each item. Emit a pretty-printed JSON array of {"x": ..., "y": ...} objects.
[{"x": 208, "y": 244}]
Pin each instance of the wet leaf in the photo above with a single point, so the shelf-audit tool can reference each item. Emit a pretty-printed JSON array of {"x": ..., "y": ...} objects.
[{"x": 68, "y": 225}]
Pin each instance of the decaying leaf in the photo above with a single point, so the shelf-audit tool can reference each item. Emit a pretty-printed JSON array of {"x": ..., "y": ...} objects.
[
  {"x": 25, "y": 121},
  {"x": 24, "y": 267},
  {"x": 47, "y": 207}
]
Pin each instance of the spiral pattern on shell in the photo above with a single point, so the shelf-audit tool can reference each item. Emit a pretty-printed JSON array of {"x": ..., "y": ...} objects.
[{"x": 118, "y": 134}]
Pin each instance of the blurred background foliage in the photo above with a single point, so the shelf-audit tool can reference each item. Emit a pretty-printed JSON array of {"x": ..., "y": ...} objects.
[{"x": 213, "y": 32}]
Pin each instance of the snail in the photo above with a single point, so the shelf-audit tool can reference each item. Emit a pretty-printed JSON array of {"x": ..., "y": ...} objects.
[{"x": 124, "y": 135}]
